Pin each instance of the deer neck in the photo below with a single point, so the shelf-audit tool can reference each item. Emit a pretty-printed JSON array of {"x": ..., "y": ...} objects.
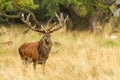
[
  {"x": 44, "y": 49},
  {"x": 45, "y": 43}
]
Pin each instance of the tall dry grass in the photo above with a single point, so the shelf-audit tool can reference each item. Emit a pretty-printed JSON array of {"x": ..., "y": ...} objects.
[{"x": 74, "y": 56}]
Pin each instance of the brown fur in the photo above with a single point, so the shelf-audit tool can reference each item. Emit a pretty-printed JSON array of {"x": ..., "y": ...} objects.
[{"x": 36, "y": 52}]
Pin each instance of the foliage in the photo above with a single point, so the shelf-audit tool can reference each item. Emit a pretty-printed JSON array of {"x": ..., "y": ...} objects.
[
  {"x": 6, "y": 5},
  {"x": 52, "y": 5},
  {"x": 80, "y": 11},
  {"x": 27, "y": 4},
  {"x": 81, "y": 7},
  {"x": 8, "y": 10}
]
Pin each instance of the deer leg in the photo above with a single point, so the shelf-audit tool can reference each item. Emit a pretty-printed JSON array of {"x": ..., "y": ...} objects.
[
  {"x": 34, "y": 65},
  {"x": 25, "y": 62},
  {"x": 43, "y": 65}
]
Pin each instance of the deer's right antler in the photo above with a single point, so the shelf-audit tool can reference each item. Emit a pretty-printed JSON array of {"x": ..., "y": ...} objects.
[
  {"x": 27, "y": 21},
  {"x": 61, "y": 23}
]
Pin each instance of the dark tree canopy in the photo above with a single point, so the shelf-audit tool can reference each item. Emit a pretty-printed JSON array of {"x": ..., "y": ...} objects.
[{"x": 83, "y": 14}]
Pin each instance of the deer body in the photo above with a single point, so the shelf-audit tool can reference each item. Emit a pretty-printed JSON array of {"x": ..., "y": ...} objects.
[
  {"x": 38, "y": 52},
  {"x": 29, "y": 52}
]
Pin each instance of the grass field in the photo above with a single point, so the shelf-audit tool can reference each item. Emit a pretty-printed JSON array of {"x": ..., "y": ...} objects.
[{"x": 74, "y": 56}]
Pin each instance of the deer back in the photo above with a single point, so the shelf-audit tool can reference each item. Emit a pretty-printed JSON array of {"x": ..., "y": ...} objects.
[{"x": 29, "y": 50}]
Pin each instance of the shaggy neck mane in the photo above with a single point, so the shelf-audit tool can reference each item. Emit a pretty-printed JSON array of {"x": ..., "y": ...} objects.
[{"x": 45, "y": 43}]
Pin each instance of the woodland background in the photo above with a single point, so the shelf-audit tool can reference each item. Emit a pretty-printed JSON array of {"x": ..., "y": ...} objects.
[{"x": 83, "y": 14}]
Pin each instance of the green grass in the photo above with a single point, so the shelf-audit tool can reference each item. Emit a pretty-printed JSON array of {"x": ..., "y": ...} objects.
[
  {"x": 110, "y": 44},
  {"x": 77, "y": 56}
]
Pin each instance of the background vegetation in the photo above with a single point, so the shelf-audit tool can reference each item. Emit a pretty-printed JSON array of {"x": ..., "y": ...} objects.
[{"x": 82, "y": 14}]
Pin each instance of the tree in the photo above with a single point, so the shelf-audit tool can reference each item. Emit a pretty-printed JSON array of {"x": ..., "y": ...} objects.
[
  {"x": 8, "y": 9},
  {"x": 82, "y": 13},
  {"x": 116, "y": 17}
]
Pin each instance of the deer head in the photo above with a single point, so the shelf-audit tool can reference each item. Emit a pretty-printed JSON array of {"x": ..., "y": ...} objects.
[{"x": 46, "y": 32}]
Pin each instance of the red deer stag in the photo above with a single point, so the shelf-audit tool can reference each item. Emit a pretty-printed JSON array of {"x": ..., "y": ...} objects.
[{"x": 38, "y": 52}]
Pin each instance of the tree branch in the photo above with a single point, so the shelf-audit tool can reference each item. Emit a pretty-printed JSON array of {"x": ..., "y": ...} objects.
[
  {"x": 27, "y": 11},
  {"x": 10, "y": 16}
]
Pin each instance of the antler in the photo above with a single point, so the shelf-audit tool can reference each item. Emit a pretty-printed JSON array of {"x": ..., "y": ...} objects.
[
  {"x": 61, "y": 21},
  {"x": 27, "y": 21}
]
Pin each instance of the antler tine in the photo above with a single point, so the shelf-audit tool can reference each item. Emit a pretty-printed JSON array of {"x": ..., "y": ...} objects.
[
  {"x": 42, "y": 26},
  {"x": 28, "y": 18},
  {"x": 66, "y": 19},
  {"x": 62, "y": 17},
  {"x": 23, "y": 17},
  {"x": 27, "y": 21},
  {"x": 61, "y": 20},
  {"x": 56, "y": 15}
]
